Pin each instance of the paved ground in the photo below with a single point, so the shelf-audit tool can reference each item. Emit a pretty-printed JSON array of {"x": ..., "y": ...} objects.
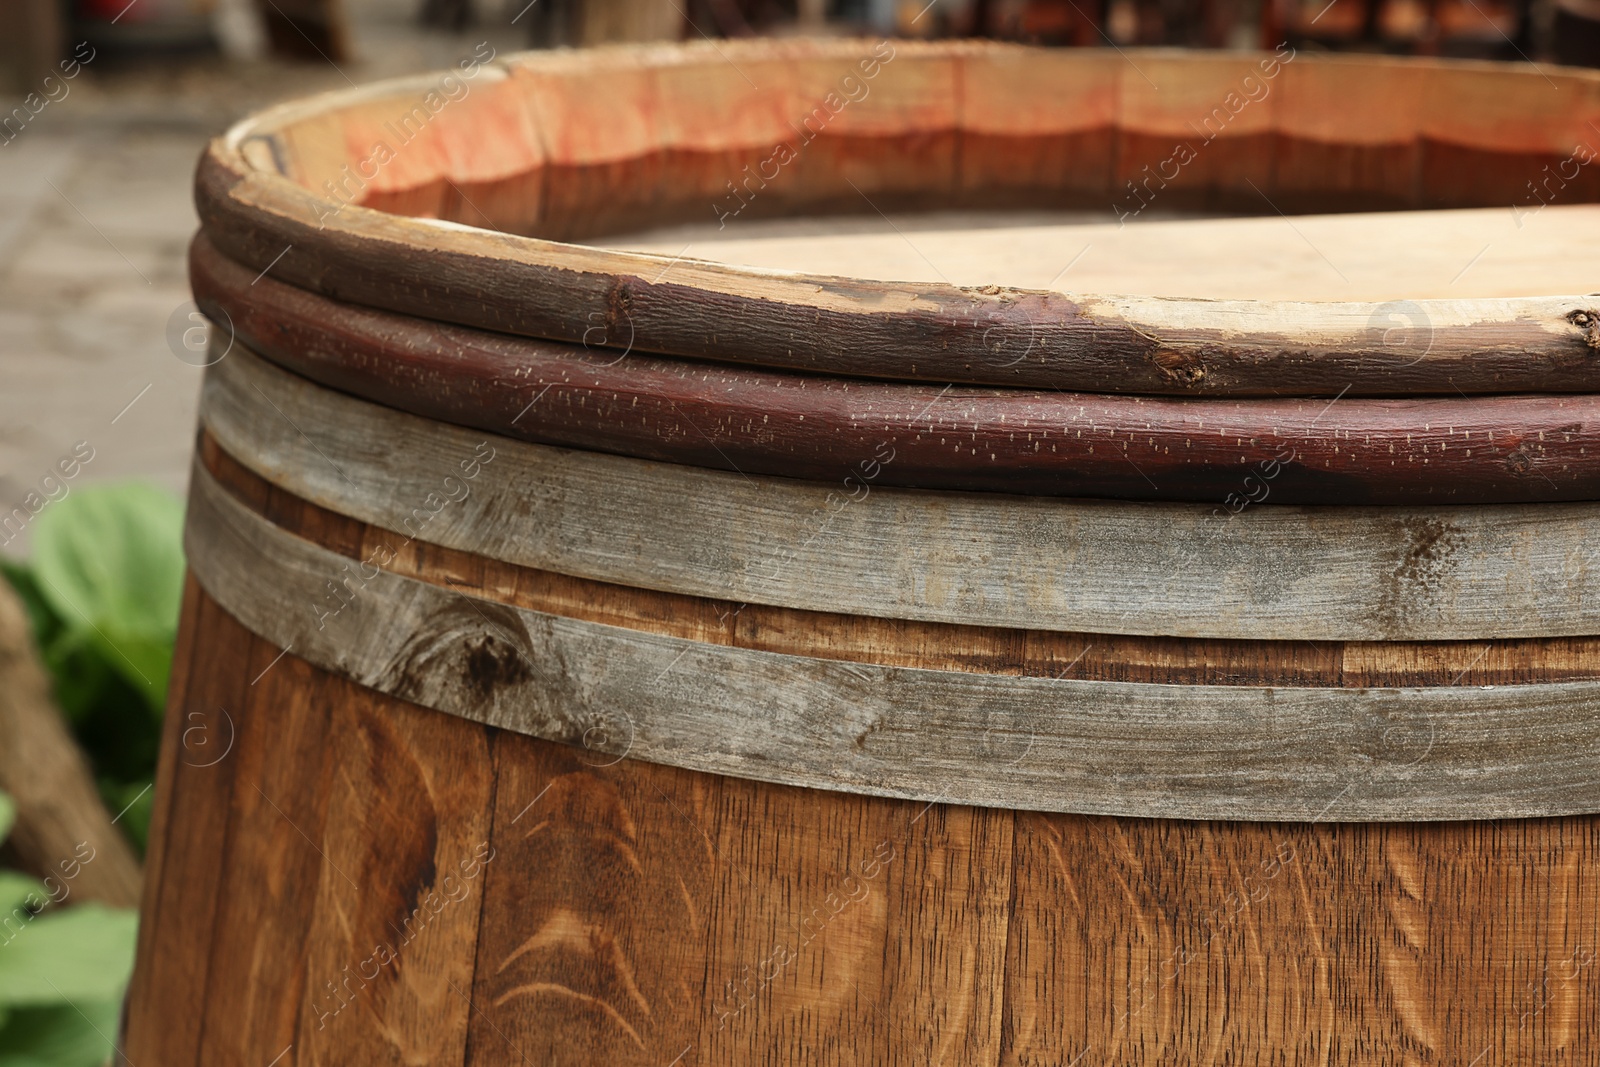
[{"x": 95, "y": 220}]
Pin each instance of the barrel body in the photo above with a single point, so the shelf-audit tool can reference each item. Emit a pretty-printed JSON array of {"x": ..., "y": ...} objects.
[
  {"x": 591, "y": 657},
  {"x": 362, "y": 857}
]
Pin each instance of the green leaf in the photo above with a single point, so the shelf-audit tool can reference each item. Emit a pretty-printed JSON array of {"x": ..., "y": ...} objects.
[
  {"x": 20, "y": 896},
  {"x": 45, "y": 622},
  {"x": 66, "y": 1035},
  {"x": 81, "y": 954},
  {"x": 109, "y": 562},
  {"x": 82, "y": 679},
  {"x": 8, "y": 814}
]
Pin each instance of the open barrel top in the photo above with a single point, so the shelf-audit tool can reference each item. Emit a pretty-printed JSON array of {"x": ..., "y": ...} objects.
[{"x": 456, "y": 198}]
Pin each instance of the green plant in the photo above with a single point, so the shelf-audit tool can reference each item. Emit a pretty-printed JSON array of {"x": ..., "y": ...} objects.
[
  {"x": 62, "y": 971},
  {"x": 102, "y": 591}
]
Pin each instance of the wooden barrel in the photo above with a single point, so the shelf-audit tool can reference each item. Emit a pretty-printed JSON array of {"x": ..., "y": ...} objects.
[{"x": 545, "y": 698}]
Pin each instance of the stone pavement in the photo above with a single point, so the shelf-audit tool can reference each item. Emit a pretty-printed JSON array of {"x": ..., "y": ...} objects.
[{"x": 95, "y": 221}]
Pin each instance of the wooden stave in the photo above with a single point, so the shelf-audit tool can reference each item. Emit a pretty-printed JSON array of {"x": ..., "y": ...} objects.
[
  {"x": 1418, "y": 451},
  {"x": 1189, "y": 752},
  {"x": 1144, "y": 941},
  {"x": 546, "y": 289},
  {"x": 1460, "y": 573}
]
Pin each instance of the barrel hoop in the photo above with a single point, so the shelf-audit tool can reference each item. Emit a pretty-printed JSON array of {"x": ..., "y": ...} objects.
[
  {"x": 1266, "y": 573},
  {"x": 1044, "y": 744},
  {"x": 1229, "y": 454}
]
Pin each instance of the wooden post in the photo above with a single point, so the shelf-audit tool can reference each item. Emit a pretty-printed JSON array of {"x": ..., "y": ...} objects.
[
  {"x": 41, "y": 766},
  {"x": 31, "y": 44}
]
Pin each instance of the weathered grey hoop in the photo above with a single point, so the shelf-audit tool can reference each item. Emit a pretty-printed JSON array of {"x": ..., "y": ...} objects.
[
  {"x": 1270, "y": 573},
  {"x": 1041, "y": 744}
]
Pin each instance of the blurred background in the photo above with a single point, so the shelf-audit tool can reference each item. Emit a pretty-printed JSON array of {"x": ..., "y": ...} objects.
[{"x": 104, "y": 108}]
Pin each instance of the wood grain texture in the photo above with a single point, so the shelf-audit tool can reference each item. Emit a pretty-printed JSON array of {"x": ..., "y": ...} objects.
[
  {"x": 1273, "y": 573},
  {"x": 991, "y": 740},
  {"x": 256, "y": 990},
  {"x": 738, "y": 918},
  {"x": 189, "y": 831},
  {"x": 1383, "y": 256},
  {"x": 944, "y": 646},
  {"x": 246, "y": 930},
  {"x": 394, "y": 927},
  {"x": 673, "y": 130},
  {"x": 592, "y": 947},
  {"x": 158, "y": 965},
  {"x": 1146, "y": 942},
  {"x": 1225, "y": 453}
]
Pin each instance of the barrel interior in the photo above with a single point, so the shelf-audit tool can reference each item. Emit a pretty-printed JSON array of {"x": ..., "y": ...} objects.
[{"x": 579, "y": 146}]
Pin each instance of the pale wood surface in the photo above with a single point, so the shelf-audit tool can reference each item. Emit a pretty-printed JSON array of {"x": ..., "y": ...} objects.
[
  {"x": 1199, "y": 752},
  {"x": 942, "y": 646},
  {"x": 1269, "y": 572},
  {"x": 1380, "y": 256}
]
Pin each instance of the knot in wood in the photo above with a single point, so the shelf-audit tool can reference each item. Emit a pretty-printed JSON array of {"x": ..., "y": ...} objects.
[
  {"x": 1179, "y": 365},
  {"x": 619, "y": 300},
  {"x": 1588, "y": 321}
]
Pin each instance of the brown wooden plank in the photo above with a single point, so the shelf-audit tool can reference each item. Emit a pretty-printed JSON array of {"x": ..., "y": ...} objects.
[
  {"x": 1194, "y": 134},
  {"x": 395, "y": 922},
  {"x": 1014, "y": 139},
  {"x": 595, "y": 909},
  {"x": 858, "y": 932},
  {"x": 1148, "y": 942},
  {"x": 1354, "y": 134},
  {"x": 194, "y": 782},
  {"x": 948, "y": 882},
  {"x": 172, "y": 748},
  {"x": 266, "y": 898}
]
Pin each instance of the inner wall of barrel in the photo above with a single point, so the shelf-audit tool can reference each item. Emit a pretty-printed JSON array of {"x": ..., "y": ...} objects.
[{"x": 573, "y": 150}]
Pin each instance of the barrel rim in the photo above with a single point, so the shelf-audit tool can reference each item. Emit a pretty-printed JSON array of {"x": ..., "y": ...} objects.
[
  {"x": 544, "y": 288},
  {"x": 1231, "y": 454}
]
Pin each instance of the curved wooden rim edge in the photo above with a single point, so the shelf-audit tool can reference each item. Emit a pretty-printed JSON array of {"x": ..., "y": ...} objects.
[
  {"x": 1230, "y": 453},
  {"x": 543, "y": 288}
]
